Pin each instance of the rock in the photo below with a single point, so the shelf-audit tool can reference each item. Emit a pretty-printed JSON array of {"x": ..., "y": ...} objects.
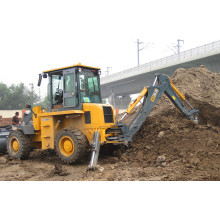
[
  {"x": 141, "y": 173},
  {"x": 181, "y": 154},
  {"x": 99, "y": 168},
  {"x": 128, "y": 174},
  {"x": 189, "y": 166},
  {"x": 194, "y": 161},
  {"x": 58, "y": 170},
  {"x": 161, "y": 134},
  {"x": 140, "y": 155},
  {"x": 3, "y": 160},
  {"x": 145, "y": 164},
  {"x": 173, "y": 127},
  {"x": 148, "y": 147},
  {"x": 124, "y": 158},
  {"x": 113, "y": 160},
  {"x": 161, "y": 159},
  {"x": 112, "y": 167},
  {"x": 209, "y": 143},
  {"x": 163, "y": 164},
  {"x": 184, "y": 160}
]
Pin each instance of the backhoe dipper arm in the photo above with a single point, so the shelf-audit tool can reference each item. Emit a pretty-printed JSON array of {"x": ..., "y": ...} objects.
[
  {"x": 175, "y": 96},
  {"x": 151, "y": 95}
]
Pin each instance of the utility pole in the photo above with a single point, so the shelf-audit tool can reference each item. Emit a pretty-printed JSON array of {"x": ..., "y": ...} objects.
[
  {"x": 178, "y": 45},
  {"x": 32, "y": 93},
  {"x": 113, "y": 98},
  {"x": 138, "y": 49},
  {"x": 108, "y": 70}
]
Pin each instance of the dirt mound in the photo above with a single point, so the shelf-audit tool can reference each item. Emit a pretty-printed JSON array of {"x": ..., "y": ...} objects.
[
  {"x": 202, "y": 88},
  {"x": 166, "y": 138},
  {"x": 199, "y": 83},
  {"x": 195, "y": 147}
]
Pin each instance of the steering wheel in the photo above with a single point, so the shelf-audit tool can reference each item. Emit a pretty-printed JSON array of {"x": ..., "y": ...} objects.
[
  {"x": 58, "y": 96},
  {"x": 60, "y": 91}
]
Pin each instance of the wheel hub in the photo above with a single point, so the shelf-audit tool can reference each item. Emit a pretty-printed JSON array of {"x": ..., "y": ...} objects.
[
  {"x": 15, "y": 145},
  {"x": 66, "y": 146}
]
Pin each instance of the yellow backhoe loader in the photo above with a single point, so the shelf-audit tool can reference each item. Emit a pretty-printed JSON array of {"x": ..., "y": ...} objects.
[{"x": 77, "y": 120}]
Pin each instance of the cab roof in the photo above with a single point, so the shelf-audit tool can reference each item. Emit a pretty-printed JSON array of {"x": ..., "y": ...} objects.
[{"x": 67, "y": 67}]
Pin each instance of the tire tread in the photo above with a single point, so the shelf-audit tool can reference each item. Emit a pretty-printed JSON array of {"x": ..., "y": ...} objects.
[{"x": 81, "y": 141}]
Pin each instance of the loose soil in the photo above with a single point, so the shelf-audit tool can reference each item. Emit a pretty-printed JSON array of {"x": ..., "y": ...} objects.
[{"x": 167, "y": 147}]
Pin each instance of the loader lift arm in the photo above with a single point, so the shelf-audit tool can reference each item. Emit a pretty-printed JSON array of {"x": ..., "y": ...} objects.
[{"x": 151, "y": 95}]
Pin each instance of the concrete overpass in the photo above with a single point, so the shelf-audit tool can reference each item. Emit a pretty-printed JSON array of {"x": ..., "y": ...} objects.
[{"x": 133, "y": 80}]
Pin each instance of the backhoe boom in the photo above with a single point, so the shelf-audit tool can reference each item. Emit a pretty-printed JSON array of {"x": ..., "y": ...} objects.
[{"x": 151, "y": 95}]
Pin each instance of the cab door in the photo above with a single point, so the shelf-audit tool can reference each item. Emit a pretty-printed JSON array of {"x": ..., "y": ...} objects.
[{"x": 70, "y": 88}]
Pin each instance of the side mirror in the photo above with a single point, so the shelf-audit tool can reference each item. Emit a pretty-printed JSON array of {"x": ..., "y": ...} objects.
[
  {"x": 39, "y": 80},
  {"x": 28, "y": 106}
]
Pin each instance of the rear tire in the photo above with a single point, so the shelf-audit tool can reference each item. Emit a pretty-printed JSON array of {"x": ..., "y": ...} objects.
[
  {"x": 71, "y": 145},
  {"x": 18, "y": 145}
]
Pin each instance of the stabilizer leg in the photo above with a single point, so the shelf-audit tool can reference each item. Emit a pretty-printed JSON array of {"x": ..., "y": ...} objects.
[{"x": 95, "y": 143}]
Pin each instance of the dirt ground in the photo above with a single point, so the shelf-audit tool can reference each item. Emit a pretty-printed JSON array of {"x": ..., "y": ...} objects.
[{"x": 167, "y": 147}]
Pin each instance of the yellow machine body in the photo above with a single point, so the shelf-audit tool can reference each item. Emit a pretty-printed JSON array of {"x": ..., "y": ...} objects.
[{"x": 48, "y": 124}]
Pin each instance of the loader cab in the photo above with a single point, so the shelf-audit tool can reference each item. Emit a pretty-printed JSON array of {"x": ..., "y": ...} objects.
[{"x": 70, "y": 87}]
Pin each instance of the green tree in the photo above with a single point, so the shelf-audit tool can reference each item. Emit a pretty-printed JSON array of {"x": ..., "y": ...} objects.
[
  {"x": 16, "y": 96},
  {"x": 4, "y": 95}
]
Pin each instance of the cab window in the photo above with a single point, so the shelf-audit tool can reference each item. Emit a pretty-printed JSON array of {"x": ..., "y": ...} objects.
[
  {"x": 89, "y": 87},
  {"x": 69, "y": 83},
  {"x": 57, "y": 89},
  {"x": 70, "y": 90}
]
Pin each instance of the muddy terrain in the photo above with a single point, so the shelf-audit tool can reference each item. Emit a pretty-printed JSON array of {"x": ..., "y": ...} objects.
[{"x": 167, "y": 147}]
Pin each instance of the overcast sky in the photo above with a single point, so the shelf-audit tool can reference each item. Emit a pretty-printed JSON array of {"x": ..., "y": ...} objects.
[{"x": 41, "y": 35}]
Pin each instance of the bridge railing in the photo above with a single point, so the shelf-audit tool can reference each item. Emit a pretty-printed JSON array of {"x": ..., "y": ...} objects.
[{"x": 195, "y": 53}]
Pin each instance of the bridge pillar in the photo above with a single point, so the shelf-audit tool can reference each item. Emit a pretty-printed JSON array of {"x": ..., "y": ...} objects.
[{"x": 119, "y": 102}]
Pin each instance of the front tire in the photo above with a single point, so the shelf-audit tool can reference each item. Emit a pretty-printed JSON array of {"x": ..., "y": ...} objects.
[
  {"x": 18, "y": 145},
  {"x": 71, "y": 145}
]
